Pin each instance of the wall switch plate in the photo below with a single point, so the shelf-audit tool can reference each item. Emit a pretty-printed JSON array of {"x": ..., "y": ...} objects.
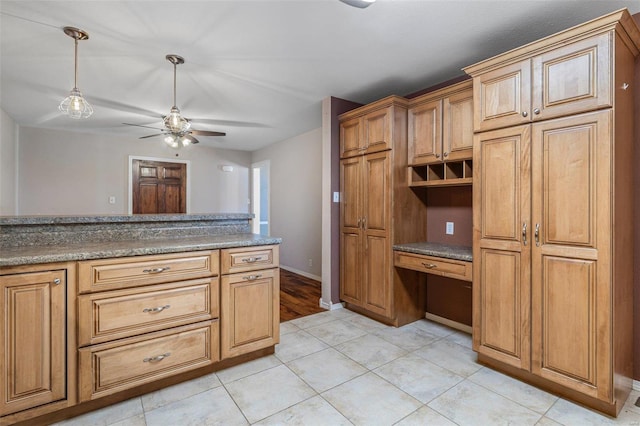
[
  {"x": 336, "y": 197},
  {"x": 112, "y": 199},
  {"x": 449, "y": 230}
]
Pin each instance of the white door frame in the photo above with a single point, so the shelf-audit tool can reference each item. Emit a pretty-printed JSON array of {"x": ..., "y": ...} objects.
[
  {"x": 164, "y": 160},
  {"x": 266, "y": 164}
]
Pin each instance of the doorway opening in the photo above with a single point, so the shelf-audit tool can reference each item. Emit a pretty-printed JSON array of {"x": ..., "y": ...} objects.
[
  {"x": 260, "y": 197},
  {"x": 158, "y": 186}
]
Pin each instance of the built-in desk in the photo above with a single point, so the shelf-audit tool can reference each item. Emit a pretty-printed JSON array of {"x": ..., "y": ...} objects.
[{"x": 443, "y": 260}]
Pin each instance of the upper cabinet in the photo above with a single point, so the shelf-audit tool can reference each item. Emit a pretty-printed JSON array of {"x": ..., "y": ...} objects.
[
  {"x": 564, "y": 80},
  {"x": 440, "y": 137},
  {"x": 440, "y": 125},
  {"x": 371, "y": 131}
]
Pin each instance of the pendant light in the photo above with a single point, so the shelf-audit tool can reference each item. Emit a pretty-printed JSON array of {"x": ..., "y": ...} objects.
[{"x": 74, "y": 105}]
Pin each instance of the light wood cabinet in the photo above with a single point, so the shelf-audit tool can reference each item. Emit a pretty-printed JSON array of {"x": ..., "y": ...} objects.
[
  {"x": 562, "y": 81},
  {"x": 553, "y": 266},
  {"x": 368, "y": 133},
  {"x": 143, "y": 318},
  {"x": 37, "y": 360},
  {"x": 440, "y": 125},
  {"x": 440, "y": 137},
  {"x": 377, "y": 209},
  {"x": 115, "y": 366},
  {"x": 450, "y": 268},
  {"x": 34, "y": 340},
  {"x": 250, "y": 300}
]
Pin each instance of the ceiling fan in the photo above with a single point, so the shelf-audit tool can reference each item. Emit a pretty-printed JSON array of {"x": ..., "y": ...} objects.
[{"x": 177, "y": 129}]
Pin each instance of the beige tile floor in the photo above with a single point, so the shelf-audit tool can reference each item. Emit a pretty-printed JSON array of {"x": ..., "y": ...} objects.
[{"x": 340, "y": 368}]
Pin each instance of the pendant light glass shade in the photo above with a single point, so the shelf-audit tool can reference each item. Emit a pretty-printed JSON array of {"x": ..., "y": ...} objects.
[
  {"x": 175, "y": 122},
  {"x": 75, "y": 105}
]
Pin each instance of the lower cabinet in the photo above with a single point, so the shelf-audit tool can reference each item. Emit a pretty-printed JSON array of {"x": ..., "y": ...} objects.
[
  {"x": 250, "y": 307},
  {"x": 34, "y": 340},
  {"x": 115, "y": 366}
]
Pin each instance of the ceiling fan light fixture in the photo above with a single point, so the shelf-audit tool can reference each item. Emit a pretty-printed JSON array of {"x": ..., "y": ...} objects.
[
  {"x": 171, "y": 141},
  {"x": 176, "y": 123},
  {"x": 75, "y": 105}
]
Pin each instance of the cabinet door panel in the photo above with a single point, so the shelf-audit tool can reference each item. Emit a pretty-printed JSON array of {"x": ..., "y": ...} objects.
[
  {"x": 504, "y": 158},
  {"x": 377, "y": 131},
  {"x": 457, "y": 132},
  {"x": 351, "y": 267},
  {"x": 568, "y": 184},
  {"x": 574, "y": 78},
  {"x": 377, "y": 278},
  {"x": 350, "y": 178},
  {"x": 502, "y": 97},
  {"x": 566, "y": 349},
  {"x": 350, "y": 138},
  {"x": 425, "y": 133},
  {"x": 250, "y": 305},
  {"x": 377, "y": 192},
  {"x": 503, "y": 302},
  {"x": 571, "y": 200},
  {"x": 34, "y": 338}
]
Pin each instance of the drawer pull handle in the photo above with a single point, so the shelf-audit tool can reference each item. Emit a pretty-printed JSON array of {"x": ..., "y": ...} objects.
[
  {"x": 156, "y": 270},
  {"x": 156, "y": 309},
  {"x": 156, "y": 358},
  {"x": 429, "y": 265},
  {"x": 251, "y": 259},
  {"x": 252, "y": 277}
]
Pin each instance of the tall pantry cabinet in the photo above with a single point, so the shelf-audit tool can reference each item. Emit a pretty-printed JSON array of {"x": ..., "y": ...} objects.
[
  {"x": 377, "y": 210},
  {"x": 553, "y": 211}
]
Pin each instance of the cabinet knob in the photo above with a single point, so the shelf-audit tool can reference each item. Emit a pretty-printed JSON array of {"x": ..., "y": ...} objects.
[
  {"x": 446, "y": 154},
  {"x": 429, "y": 265},
  {"x": 537, "y": 235},
  {"x": 536, "y": 111},
  {"x": 56, "y": 281},
  {"x": 625, "y": 86},
  {"x": 251, "y": 259},
  {"x": 437, "y": 155},
  {"x": 525, "y": 113}
]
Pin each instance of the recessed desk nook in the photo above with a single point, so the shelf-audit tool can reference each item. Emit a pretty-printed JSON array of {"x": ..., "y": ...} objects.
[{"x": 449, "y": 283}]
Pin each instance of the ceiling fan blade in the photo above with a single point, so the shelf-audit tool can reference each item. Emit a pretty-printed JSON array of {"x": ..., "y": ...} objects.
[
  {"x": 140, "y": 125},
  {"x": 150, "y": 136},
  {"x": 206, "y": 133}
]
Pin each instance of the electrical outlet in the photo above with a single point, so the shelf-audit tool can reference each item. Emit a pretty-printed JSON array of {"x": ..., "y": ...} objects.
[
  {"x": 449, "y": 230},
  {"x": 310, "y": 262},
  {"x": 336, "y": 197},
  {"x": 112, "y": 199}
]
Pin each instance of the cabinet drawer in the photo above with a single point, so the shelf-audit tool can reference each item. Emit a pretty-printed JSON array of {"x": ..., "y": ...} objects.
[
  {"x": 110, "y": 274},
  {"x": 249, "y": 259},
  {"x": 434, "y": 265},
  {"x": 112, "y": 367},
  {"x": 123, "y": 313}
]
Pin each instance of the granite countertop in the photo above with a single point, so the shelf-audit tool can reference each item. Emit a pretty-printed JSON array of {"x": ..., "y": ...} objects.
[
  {"x": 446, "y": 251},
  {"x": 12, "y": 256},
  {"x": 118, "y": 218}
]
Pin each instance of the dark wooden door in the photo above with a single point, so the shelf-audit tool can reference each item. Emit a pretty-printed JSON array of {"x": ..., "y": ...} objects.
[{"x": 159, "y": 187}]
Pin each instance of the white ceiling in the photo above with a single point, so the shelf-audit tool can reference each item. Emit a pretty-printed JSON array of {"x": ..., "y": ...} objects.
[{"x": 257, "y": 70}]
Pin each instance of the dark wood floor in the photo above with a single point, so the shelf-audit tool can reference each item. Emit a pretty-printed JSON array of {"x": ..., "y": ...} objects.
[{"x": 299, "y": 296}]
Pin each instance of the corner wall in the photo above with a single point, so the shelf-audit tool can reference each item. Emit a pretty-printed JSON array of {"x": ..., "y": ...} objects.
[{"x": 295, "y": 204}]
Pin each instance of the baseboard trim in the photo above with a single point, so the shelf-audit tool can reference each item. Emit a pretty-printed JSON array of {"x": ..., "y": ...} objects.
[
  {"x": 448, "y": 322},
  {"x": 330, "y": 306},
  {"x": 636, "y": 385},
  {"x": 303, "y": 273}
]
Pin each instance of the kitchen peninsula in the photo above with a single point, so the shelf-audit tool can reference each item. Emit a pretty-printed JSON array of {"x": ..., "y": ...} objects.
[{"x": 101, "y": 308}]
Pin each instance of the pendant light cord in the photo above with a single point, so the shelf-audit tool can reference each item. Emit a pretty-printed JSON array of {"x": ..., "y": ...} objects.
[
  {"x": 75, "y": 76},
  {"x": 174, "y": 85}
]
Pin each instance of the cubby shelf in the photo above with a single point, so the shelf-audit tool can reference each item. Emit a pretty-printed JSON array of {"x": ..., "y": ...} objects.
[{"x": 453, "y": 173}]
